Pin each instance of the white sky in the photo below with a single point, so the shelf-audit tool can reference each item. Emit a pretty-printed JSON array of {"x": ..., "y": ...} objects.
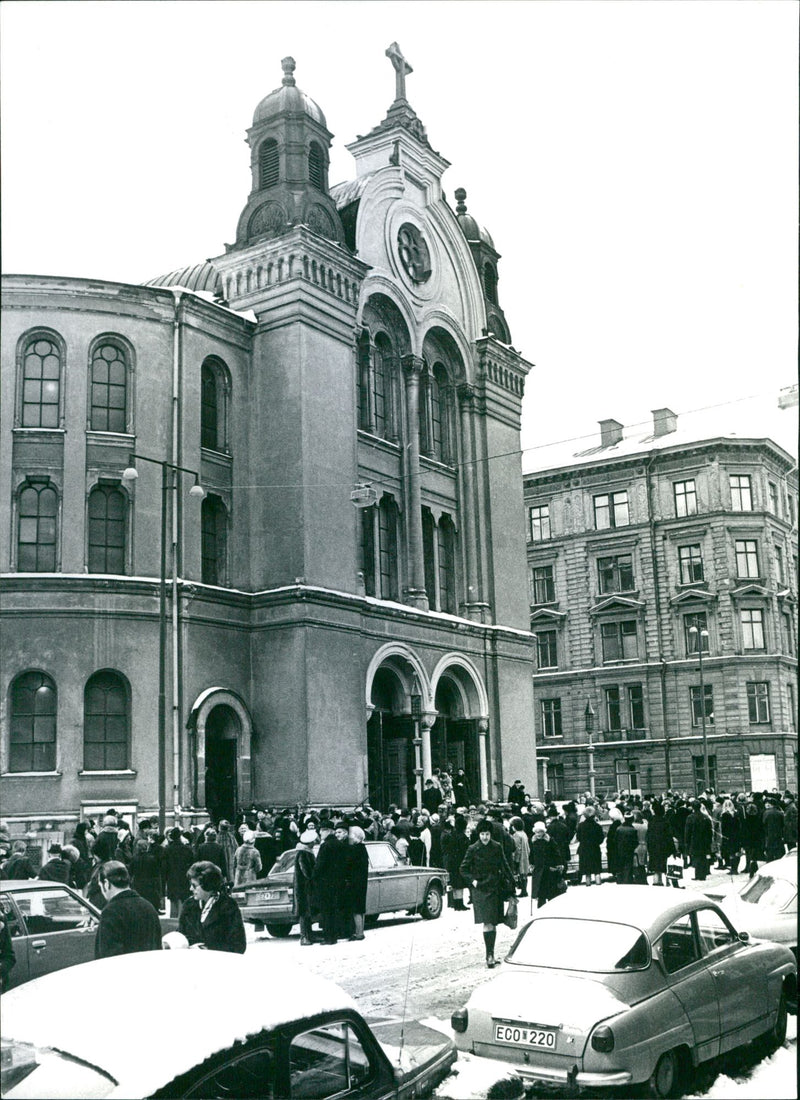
[{"x": 634, "y": 161}]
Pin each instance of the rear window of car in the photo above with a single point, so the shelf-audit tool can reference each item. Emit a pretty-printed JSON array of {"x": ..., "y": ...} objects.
[
  {"x": 566, "y": 943},
  {"x": 284, "y": 862},
  {"x": 772, "y": 893}
]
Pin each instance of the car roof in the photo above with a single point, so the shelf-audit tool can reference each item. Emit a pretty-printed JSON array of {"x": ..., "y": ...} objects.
[
  {"x": 12, "y": 884},
  {"x": 227, "y": 996},
  {"x": 650, "y": 908},
  {"x": 785, "y": 867}
]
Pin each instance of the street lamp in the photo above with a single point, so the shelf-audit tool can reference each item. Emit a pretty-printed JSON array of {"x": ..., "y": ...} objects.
[
  {"x": 416, "y": 714},
  {"x": 131, "y": 474},
  {"x": 700, "y": 635},
  {"x": 588, "y": 717}
]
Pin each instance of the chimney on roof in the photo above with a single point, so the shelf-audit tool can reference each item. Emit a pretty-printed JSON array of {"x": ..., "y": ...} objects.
[
  {"x": 610, "y": 432},
  {"x": 664, "y": 422}
]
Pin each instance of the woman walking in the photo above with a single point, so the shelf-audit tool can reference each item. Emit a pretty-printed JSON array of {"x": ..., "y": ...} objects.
[{"x": 486, "y": 867}]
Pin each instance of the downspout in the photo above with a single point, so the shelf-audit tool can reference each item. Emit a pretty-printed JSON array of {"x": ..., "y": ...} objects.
[
  {"x": 657, "y": 599},
  {"x": 177, "y": 512}
]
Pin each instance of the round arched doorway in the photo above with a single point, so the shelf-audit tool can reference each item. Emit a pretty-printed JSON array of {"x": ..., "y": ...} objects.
[
  {"x": 390, "y": 743},
  {"x": 454, "y": 736},
  {"x": 223, "y": 729}
]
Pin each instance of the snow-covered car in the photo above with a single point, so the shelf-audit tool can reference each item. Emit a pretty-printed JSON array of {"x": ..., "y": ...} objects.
[
  {"x": 51, "y": 926},
  {"x": 766, "y": 905},
  {"x": 211, "y": 1023},
  {"x": 624, "y": 985},
  {"x": 392, "y": 887}
]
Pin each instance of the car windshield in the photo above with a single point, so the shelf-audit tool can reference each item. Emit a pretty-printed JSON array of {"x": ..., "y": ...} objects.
[
  {"x": 772, "y": 893},
  {"x": 284, "y": 862},
  {"x": 565, "y": 943}
]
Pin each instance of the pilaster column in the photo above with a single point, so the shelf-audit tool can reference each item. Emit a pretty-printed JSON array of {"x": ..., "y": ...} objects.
[
  {"x": 415, "y": 591},
  {"x": 368, "y": 382},
  {"x": 466, "y": 395},
  {"x": 426, "y": 722},
  {"x": 483, "y": 756}
]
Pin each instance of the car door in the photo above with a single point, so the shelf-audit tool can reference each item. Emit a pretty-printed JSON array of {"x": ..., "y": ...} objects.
[
  {"x": 19, "y": 941},
  {"x": 396, "y": 882},
  {"x": 688, "y": 977},
  {"x": 60, "y": 927},
  {"x": 336, "y": 1058},
  {"x": 734, "y": 969}
]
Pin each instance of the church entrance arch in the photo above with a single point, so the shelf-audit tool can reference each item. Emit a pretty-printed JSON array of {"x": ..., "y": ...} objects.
[
  {"x": 223, "y": 730},
  {"x": 397, "y": 694},
  {"x": 458, "y": 735}
]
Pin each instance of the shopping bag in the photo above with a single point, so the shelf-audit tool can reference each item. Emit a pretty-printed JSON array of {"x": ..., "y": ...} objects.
[
  {"x": 638, "y": 873},
  {"x": 511, "y": 916},
  {"x": 674, "y": 867}
]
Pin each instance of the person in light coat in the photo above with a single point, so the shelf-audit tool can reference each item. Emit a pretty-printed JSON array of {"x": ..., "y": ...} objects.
[
  {"x": 522, "y": 862},
  {"x": 247, "y": 861}
]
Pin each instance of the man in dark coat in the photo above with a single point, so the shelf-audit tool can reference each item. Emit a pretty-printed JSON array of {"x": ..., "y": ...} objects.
[
  {"x": 789, "y": 820},
  {"x": 107, "y": 842},
  {"x": 454, "y": 848},
  {"x": 210, "y": 851},
  {"x": 18, "y": 866},
  {"x": 461, "y": 793},
  {"x": 625, "y": 842},
  {"x": 128, "y": 923},
  {"x": 303, "y": 875},
  {"x": 356, "y": 880},
  {"x": 516, "y": 794},
  {"x": 697, "y": 840},
  {"x": 57, "y": 868},
  {"x": 178, "y": 858},
  {"x": 492, "y": 878},
  {"x": 774, "y": 846},
  {"x": 328, "y": 881},
  {"x": 559, "y": 831}
]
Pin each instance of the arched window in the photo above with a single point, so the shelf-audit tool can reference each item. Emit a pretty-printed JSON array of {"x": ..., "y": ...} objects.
[
  {"x": 380, "y": 380},
  {"x": 109, "y": 371},
  {"x": 36, "y": 535},
  {"x": 387, "y": 532},
  {"x": 364, "y": 387},
  {"x": 32, "y": 746},
  {"x": 107, "y": 511},
  {"x": 429, "y": 555},
  {"x": 268, "y": 164},
  {"x": 214, "y": 540},
  {"x": 41, "y": 383},
  {"x": 106, "y": 723},
  {"x": 490, "y": 283},
  {"x": 208, "y": 408},
  {"x": 447, "y": 565},
  {"x": 368, "y": 516},
  {"x": 316, "y": 167}
]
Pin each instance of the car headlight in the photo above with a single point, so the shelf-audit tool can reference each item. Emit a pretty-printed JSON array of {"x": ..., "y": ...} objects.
[
  {"x": 459, "y": 1020},
  {"x": 603, "y": 1039}
]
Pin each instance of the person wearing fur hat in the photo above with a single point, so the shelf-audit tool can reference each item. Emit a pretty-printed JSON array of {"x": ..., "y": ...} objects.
[
  {"x": 486, "y": 868},
  {"x": 356, "y": 876},
  {"x": 247, "y": 862},
  {"x": 546, "y": 866},
  {"x": 589, "y": 834}
]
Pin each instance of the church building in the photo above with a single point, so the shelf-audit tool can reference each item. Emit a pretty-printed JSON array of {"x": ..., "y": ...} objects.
[{"x": 261, "y": 519}]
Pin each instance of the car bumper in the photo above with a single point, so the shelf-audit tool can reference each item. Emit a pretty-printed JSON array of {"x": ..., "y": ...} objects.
[
  {"x": 548, "y": 1074},
  {"x": 263, "y": 914}
]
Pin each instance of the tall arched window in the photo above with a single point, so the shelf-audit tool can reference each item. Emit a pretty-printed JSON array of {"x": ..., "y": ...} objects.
[
  {"x": 380, "y": 380},
  {"x": 316, "y": 166},
  {"x": 214, "y": 540},
  {"x": 41, "y": 383},
  {"x": 107, "y": 512},
  {"x": 209, "y": 410},
  {"x": 368, "y": 516},
  {"x": 429, "y": 555},
  {"x": 109, "y": 397},
  {"x": 106, "y": 723},
  {"x": 268, "y": 164},
  {"x": 32, "y": 746},
  {"x": 490, "y": 283},
  {"x": 36, "y": 523},
  {"x": 388, "y": 540},
  {"x": 442, "y": 416},
  {"x": 364, "y": 382},
  {"x": 447, "y": 565}
]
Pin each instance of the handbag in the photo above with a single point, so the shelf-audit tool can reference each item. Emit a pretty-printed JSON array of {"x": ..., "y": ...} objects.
[
  {"x": 511, "y": 916},
  {"x": 638, "y": 873},
  {"x": 559, "y": 881}
]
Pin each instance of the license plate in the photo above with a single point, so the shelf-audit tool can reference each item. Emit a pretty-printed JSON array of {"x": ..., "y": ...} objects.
[
  {"x": 263, "y": 895},
  {"x": 526, "y": 1035}
]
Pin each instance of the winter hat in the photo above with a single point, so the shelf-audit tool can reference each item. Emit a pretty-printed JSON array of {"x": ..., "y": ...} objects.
[
  {"x": 356, "y": 834},
  {"x": 310, "y": 836},
  {"x": 539, "y": 828}
]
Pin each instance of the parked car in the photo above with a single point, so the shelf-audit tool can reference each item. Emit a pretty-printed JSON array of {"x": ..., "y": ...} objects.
[
  {"x": 624, "y": 985},
  {"x": 766, "y": 905},
  {"x": 257, "y": 1028},
  {"x": 51, "y": 926},
  {"x": 392, "y": 886}
]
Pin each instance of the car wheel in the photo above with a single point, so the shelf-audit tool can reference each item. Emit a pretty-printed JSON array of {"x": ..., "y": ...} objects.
[
  {"x": 665, "y": 1080},
  {"x": 431, "y": 907},
  {"x": 279, "y": 931},
  {"x": 773, "y": 1039}
]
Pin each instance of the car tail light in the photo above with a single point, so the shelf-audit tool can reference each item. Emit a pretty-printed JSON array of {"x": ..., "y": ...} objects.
[
  {"x": 459, "y": 1020},
  {"x": 603, "y": 1040},
  {"x": 16, "y": 1061}
]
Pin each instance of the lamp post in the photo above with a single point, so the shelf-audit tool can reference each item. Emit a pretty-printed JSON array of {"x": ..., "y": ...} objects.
[
  {"x": 700, "y": 635},
  {"x": 416, "y": 714},
  {"x": 588, "y": 716},
  {"x": 131, "y": 474}
]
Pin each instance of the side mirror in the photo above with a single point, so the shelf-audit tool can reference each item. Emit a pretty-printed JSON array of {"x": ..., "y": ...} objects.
[{"x": 744, "y": 937}]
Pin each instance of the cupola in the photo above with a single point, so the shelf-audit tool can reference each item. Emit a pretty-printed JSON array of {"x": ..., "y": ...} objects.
[{"x": 486, "y": 257}]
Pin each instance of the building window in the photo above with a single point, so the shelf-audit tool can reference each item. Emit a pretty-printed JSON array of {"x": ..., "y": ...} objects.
[
  {"x": 213, "y": 540},
  {"x": 741, "y": 496},
  {"x": 700, "y": 773},
  {"x": 620, "y": 642},
  {"x": 543, "y": 586},
  {"x": 752, "y": 628},
  {"x": 685, "y": 498},
  {"x": 384, "y": 388},
  {"x": 615, "y": 573},
  {"x": 36, "y": 538},
  {"x": 490, "y": 283},
  {"x": 214, "y": 396},
  {"x": 32, "y": 741},
  {"x": 109, "y": 389},
  {"x": 697, "y": 710},
  {"x": 368, "y": 550},
  {"x": 747, "y": 558},
  {"x": 627, "y": 773},
  {"x": 792, "y": 706},
  {"x": 774, "y": 499},
  {"x": 790, "y": 505},
  {"x": 268, "y": 164},
  {"x": 429, "y": 556},
  {"x": 107, "y": 512},
  {"x": 635, "y": 707},
  {"x": 551, "y": 718},
  {"x": 611, "y": 510},
  {"x": 546, "y": 649},
  {"x": 780, "y": 568},
  {"x": 758, "y": 703},
  {"x": 105, "y": 723},
  {"x": 788, "y": 633},
  {"x": 540, "y": 522},
  {"x": 387, "y": 548},
  {"x": 695, "y": 640},
  {"x": 613, "y": 709},
  {"x": 316, "y": 167},
  {"x": 690, "y": 561},
  {"x": 41, "y": 384},
  {"x": 555, "y": 780},
  {"x": 446, "y": 534}
]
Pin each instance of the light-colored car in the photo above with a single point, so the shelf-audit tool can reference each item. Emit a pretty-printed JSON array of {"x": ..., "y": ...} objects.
[
  {"x": 766, "y": 905},
  {"x": 623, "y": 985},
  {"x": 392, "y": 887},
  {"x": 255, "y": 1027}
]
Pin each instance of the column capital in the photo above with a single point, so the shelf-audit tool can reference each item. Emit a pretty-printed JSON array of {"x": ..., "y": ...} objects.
[
  {"x": 412, "y": 364},
  {"x": 428, "y": 718},
  {"x": 483, "y": 726},
  {"x": 466, "y": 393}
]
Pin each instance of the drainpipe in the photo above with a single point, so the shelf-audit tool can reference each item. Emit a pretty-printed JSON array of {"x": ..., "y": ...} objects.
[
  {"x": 177, "y": 514},
  {"x": 651, "y": 526}
]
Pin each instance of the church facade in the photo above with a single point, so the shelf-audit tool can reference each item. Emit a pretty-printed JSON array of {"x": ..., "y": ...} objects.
[{"x": 262, "y": 531}]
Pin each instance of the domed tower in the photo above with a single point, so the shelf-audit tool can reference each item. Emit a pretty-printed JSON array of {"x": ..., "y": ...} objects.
[
  {"x": 485, "y": 256},
  {"x": 289, "y": 156}
]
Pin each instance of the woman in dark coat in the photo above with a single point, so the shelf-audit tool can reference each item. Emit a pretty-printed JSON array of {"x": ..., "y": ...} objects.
[
  {"x": 612, "y": 859},
  {"x": 752, "y": 838},
  {"x": 546, "y": 865},
  {"x": 729, "y": 836},
  {"x": 454, "y": 848},
  {"x": 211, "y": 918},
  {"x": 82, "y": 869},
  {"x": 660, "y": 844},
  {"x": 178, "y": 858},
  {"x": 590, "y": 837},
  {"x": 145, "y": 872},
  {"x": 698, "y": 835},
  {"x": 486, "y": 867},
  {"x": 328, "y": 880},
  {"x": 303, "y": 874},
  {"x": 356, "y": 875}
]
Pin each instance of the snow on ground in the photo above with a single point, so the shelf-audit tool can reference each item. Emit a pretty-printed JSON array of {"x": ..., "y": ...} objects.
[{"x": 774, "y": 1078}]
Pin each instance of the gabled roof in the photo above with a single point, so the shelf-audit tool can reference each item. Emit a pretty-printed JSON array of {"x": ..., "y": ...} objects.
[
  {"x": 616, "y": 603},
  {"x": 692, "y": 595}
]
